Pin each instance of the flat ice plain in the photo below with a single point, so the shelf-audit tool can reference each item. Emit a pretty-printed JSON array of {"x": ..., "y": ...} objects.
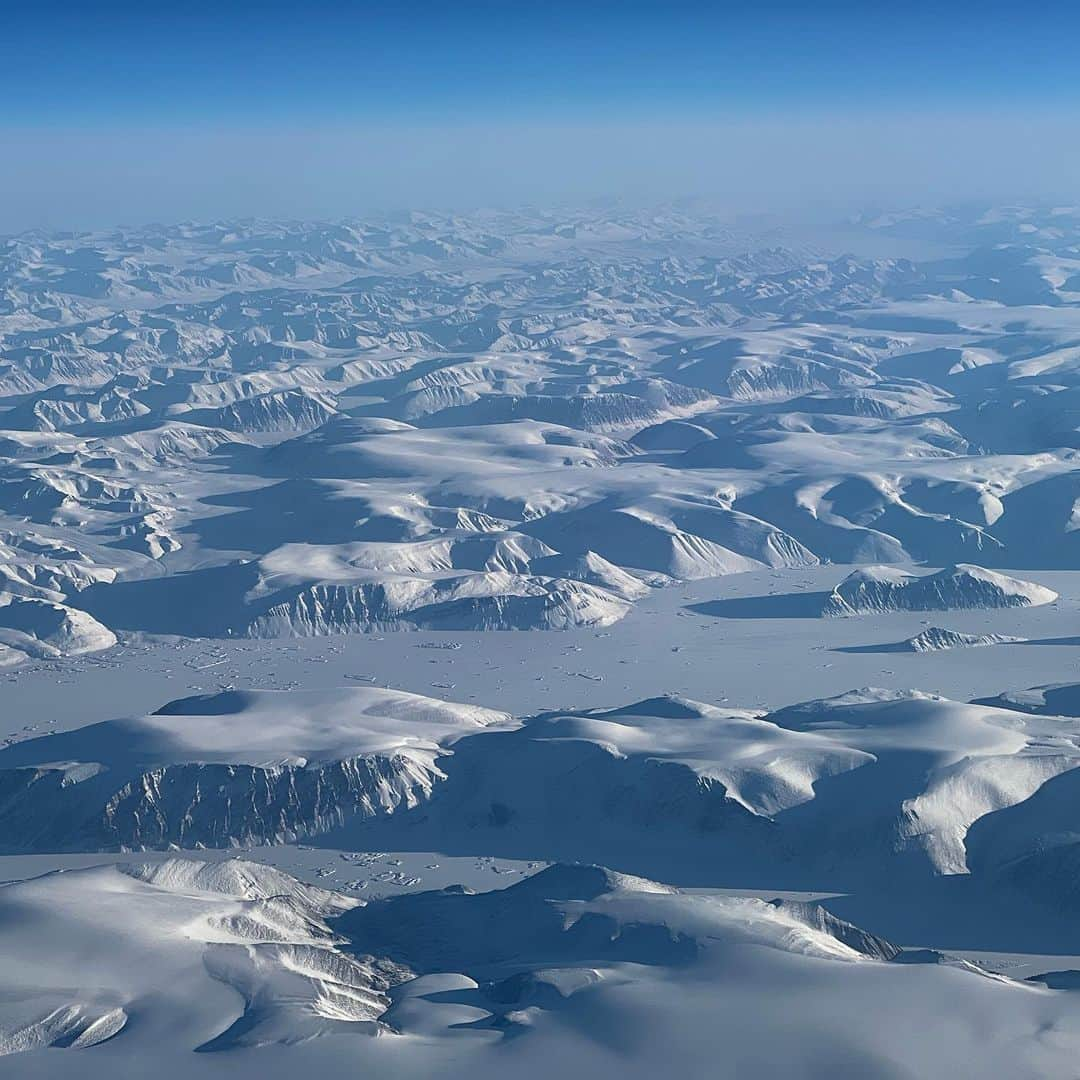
[{"x": 597, "y": 642}]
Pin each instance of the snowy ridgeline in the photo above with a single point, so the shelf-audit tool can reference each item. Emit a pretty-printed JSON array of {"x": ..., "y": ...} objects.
[
  {"x": 872, "y": 784},
  {"x": 520, "y": 420},
  {"x": 882, "y": 589},
  {"x": 937, "y": 639},
  {"x": 236, "y": 957},
  {"x": 531, "y": 421},
  {"x": 227, "y": 957}
]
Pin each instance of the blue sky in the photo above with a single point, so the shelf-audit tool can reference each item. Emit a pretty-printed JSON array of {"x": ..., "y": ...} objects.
[
  {"x": 163, "y": 96},
  {"x": 273, "y": 62}
]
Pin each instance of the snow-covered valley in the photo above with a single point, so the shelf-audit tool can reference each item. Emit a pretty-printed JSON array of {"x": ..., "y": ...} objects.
[{"x": 595, "y": 641}]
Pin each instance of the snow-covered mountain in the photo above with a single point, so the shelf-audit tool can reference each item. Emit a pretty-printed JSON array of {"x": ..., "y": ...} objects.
[
  {"x": 231, "y": 768},
  {"x": 299, "y": 481},
  {"x": 882, "y": 589},
  {"x": 232, "y": 958},
  {"x": 668, "y": 395}
]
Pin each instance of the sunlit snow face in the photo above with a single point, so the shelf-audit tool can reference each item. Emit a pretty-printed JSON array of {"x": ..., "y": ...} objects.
[{"x": 418, "y": 551}]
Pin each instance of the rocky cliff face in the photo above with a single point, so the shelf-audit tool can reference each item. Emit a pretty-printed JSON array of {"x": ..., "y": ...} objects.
[
  {"x": 201, "y": 805},
  {"x": 883, "y": 589}
]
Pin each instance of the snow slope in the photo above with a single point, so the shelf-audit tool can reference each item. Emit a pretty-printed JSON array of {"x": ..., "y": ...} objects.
[
  {"x": 937, "y": 639},
  {"x": 243, "y": 960}
]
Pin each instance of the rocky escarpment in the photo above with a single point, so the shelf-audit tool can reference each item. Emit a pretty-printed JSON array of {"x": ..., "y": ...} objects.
[
  {"x": 883, "y": 589},
  {"x": 492, "y": 601},
  {"x": 938, "y": 639},
  {"x": 229, "y": 769},
  {"x": 201, "y": 805}
]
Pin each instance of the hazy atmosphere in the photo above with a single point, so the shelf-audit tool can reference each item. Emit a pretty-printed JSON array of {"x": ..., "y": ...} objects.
[
  {"x": 135, "y": 113},
  {"x": 539, "y": 542}
]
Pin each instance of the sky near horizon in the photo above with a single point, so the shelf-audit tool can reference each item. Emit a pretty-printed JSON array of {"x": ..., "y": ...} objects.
[{"x": 133, "y": 112}]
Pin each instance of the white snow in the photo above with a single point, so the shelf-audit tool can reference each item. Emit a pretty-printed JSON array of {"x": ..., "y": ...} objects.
[{"x": 245, "y": 463}]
